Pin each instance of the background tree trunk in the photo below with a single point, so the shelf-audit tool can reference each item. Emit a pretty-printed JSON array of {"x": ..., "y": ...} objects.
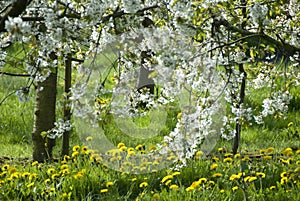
[
  {"x": 67, "y": 109},
  {"x": 44, "y": 118}
]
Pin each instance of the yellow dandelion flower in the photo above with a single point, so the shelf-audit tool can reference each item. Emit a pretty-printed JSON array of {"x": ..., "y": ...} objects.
[
  {"x": 50, "y": 170},
  {"x": 64, "y": 195},
  {"x": 64, "y": 172},
  {"x": 298, "y": 151},
  {"x": 284, "y": 174},
  {"x": 143, "y": 184},
  {"x": 74, "y": 154},
  {"x": 133, "y": 179},
  {"x": 140, "y": 147},
  {"x": 288, "y": 152},
  {"x": 235, "y": 188},
  {"x": 168, "y": 182},
  {"x": 123, "y": 148},
  {"x": 195, "y": 184},
  {"x": 25, "y": 174},
  {"x": 47, "y": 181},
  {"x": 105, "y": 190},
  {"x": 109, "y": 184},
  {"x": 228, "y": 154},
  {"x": 261, "y": 174},
  {"x": 190, "y": 188},
  {"x": 76, "y": 148},
  {"x": 246, "y": 158},
  {"x": 272, "y": 187},
  {"x": 152, "y": 148},
  {"x": 237, "y": 155},
  {"x": 5, "y": 167},
  {"x": 15, "y": 175},
  {"x": 222, "y": 191},
  {"x": 217, "y": 175},
  {"x": 283, "y": 180},
  {"x": 213, "y": 166},
  {"x": 298, "y": 163},
  {"x": 215, "y": 159},
  {"x": 64, "y": 166},
  {"x": 166, "y": 178},
  {"x": 175, "y": 173},
  {"x": 198, "y": 155},
  {"x": 30, "y": 185},
  {"x": 32, "y": 176},
  {"x": 34, "y": 163},
  {"x": 267, "y": 157},
  {"x": 270, "y": 149},
  {"x": 290, "y": 124},
  {"x": 84, "y": 150},
  {"x": 121, "y": 144},
  {"x": 287, "y": 161},
  {"x": 54, "y": 176},
  {"x": 174, "y": 187},
  {"x": 263, "y": 151},
  {"x": 252, "y": 179},
  {"x": 89, "y": 138},
  {"x": 220, "y": 150},
  {"x": 155, "y": 196},
  {"x": 202, "y": 180},
  {"x": 227, "y": 160},
  {"x": 12, "y": 170}
]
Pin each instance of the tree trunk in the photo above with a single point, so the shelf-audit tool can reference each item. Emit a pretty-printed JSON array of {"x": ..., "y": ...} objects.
[
  {"x": 67, "y": 109},
  {"x": 44, "y": 118}
]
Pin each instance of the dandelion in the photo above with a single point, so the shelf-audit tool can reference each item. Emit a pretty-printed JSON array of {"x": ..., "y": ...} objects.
[
  {"x": 168, "y": 182},
  {"x": 64, "y": 195},
  {"x": 74, "y": 154},
  {"x": 217, "y": 175},
  {"x": 287, "y": 161},
  {"x": 166, "y": 178},
  {"x": 109, "y": 184},
  {"x": 262, "y": 151},
  {"x": 202, "y": 180},
  {"x": 261, "y": 174},
  {"x": 298, "y": 151},
  {"x": 50, "y": 170},
  {"x": 284, "y": 174},
  {"x": 34, "y": 163},
  {"x": 123, "y": 148},
  {"x": 246, "y": 158},
  {"x": 267, "y": 157},
  {"x": 47, "y": 181},
  {"x": 174, "y": 187},
  {"x": 32, "y": 176},
  {"x": 252, "y": 179},
  {"x": 25, "y": 174},
  {"x": 287, "y": 152},
  {"x": 270, "y": 149},
  {"x": 5, "y": 167},
  {"x": 65, "y": 166},
  {"x": 220, "y": 150},
  {"x": 105, "y": 190},
  {"x": 152, "y": 148},
  {"x": 228, "y": 154},
  {"x": 227, "y": 160},
  {"x": 84, "y": 150},
  {"x": 76, "y": 148},
  {"x": 176, "y": 173},
  {"x": 283, "y": 180},
  {"x": 222, "y": 191},
  {"x": 198, "y": 155},
  {"x": 190, "y": 188},
  {"x": 54, "y": 176},
  {"x": 30, "y": 185},
  {"x": 121, "y": 144},
  {"x": 235, "y": 188},
  {"x": 143, "y": 184},
  {"x": 133, "y": 179},
  {"x": 272, "y": 187},
  {"x": 215, "y": 159},
  {"x": 155, "y": 196},
  {"x": 140, "y": 147},
  {"x": 89, "y": 138},
  {"x": 237, "y": 155},
  {"x": 213, "y": 166}
]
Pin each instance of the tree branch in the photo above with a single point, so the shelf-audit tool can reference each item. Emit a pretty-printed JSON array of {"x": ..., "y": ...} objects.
[
  {"x": 13, "y": 10},
  {"x": 286, "y": 48},
  {"x": 14, "y": 74}
]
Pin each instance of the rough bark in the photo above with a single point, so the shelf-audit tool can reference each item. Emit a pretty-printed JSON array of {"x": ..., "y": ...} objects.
[
  {"x": 67, "y": 109},
  {"x": 44, "y": 118}
]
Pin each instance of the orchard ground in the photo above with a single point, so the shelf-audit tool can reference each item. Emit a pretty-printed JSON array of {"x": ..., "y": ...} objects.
[{"x": 267, "y": 167}]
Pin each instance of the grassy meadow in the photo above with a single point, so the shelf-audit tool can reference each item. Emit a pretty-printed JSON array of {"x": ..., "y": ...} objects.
[{"x": 266, "y": 168}]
